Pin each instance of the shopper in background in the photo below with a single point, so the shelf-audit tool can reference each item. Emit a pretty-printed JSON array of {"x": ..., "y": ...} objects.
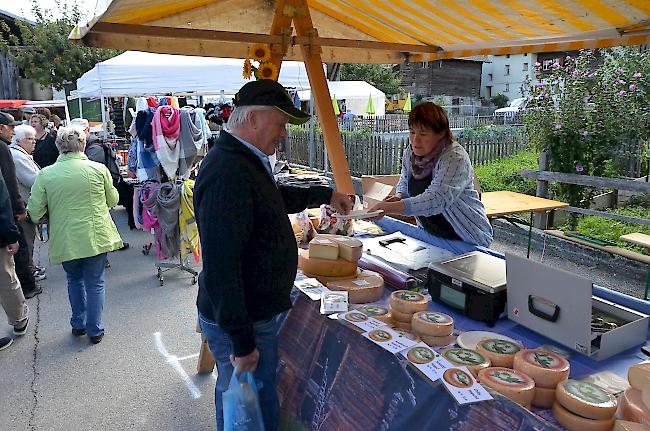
[{"x": 45, "y": 153}]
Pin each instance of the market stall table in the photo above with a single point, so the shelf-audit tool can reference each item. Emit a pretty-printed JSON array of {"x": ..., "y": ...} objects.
[{"x": 504, "y": 204}]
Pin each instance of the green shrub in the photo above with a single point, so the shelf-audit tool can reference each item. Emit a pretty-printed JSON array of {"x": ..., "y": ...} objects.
[{"x": 504, "y": 174}]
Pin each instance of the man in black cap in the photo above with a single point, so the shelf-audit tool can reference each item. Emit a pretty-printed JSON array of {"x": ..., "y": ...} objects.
[
  {"x": 22, "y": 258},
  {"x": 249, "y": 249}
]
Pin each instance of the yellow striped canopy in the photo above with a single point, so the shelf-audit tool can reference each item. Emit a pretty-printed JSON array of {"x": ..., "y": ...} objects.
[{"x": 369, "y": 31}]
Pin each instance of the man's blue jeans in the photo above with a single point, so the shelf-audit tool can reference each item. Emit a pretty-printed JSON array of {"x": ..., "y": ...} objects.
[
  {"x": 86, "y": 292},
  {"x": 266, "y": 339}
]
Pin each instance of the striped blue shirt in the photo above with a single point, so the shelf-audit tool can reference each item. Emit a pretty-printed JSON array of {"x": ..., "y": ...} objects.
[{"x": 451, "y": 194}]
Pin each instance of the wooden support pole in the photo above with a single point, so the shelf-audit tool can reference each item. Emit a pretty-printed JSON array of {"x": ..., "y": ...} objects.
[{"x": 281, "y": 26}]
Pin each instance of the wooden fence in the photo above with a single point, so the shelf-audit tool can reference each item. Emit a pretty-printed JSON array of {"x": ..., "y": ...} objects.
[{"x": 381, "y": 154}]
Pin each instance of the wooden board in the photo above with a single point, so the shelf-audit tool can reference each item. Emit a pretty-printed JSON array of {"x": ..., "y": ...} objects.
[
  {"x": 504, "y": 203},
  {"x": 608, "y": 248},
  {"x": 637, "y": 238}
]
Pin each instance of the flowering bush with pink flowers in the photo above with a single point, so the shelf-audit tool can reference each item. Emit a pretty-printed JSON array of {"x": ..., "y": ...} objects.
[{"x": 586, "y": 109}]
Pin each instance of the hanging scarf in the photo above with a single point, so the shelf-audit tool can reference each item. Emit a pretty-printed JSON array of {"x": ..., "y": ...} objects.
[
  {"x": 167, "y": 210},
  {"x": 166, "y": 131},
  {"x": 191, "y": 141},
  {"x": 143, "y": 128},
  {"x": 187, "y": 222},
  {"x": 422, "y": 166}
]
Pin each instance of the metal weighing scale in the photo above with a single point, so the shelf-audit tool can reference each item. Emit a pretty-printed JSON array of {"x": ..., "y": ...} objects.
[{"x": 472, "y": 283}]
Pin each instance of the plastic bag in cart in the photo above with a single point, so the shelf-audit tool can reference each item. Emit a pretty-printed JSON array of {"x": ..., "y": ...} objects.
[{"x": 241, "y": 406}]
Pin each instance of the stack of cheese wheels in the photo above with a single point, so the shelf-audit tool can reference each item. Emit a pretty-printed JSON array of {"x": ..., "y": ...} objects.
[
  {"x": 583, "y": 406},
  {"x": 501, "y": 353},
  {"x": 547, "y": 369},
  {"x": 403, "y": 305},
  {"x": 635, "y": 401},
  {"x": 367, "y": 286},
  {"x": 435, "y": 329},
  {"x": 326, "y": 257},
  {"x": 378, "y": 312},
  {"x": 471, "y": 359},
  {"x": 630, "y": 426},
  {"x": 513, "y": 384}
]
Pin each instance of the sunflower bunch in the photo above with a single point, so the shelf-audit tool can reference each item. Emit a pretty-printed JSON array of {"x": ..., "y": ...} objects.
[{"x": 264, "y": 69}]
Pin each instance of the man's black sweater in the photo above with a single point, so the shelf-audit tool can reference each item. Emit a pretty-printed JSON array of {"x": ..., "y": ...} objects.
[
  {"x": 8, "y": 169},
  {"x": 249, "y": 249}
]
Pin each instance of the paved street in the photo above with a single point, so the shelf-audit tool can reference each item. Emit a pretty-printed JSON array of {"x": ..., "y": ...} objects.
[{"x": 142, "y": 376}]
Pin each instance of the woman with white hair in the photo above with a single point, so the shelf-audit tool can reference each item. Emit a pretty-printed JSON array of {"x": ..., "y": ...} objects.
[
  {"x": 76, "y": 194},
  {"x": 22, "y": 148}
]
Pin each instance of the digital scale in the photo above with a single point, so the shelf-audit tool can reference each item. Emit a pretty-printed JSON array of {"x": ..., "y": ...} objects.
[{"x": 473, "y": 283}]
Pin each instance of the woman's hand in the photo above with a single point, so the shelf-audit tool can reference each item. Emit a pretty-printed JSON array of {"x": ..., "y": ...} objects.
[
  {"x": 390, "y": 205},
  {"x": 393, "y": 198}
]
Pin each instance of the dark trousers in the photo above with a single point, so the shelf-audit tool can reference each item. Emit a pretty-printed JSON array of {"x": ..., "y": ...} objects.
[
  {"x": 125, "y": 191},
  {"x": 24, "y": 264}
]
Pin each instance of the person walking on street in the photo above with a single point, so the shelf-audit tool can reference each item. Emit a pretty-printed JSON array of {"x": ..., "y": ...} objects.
[
  {"x": 249, "y": 249},
  {"x": 11, "y": 295},
  {"x": 77, "y": 193}
]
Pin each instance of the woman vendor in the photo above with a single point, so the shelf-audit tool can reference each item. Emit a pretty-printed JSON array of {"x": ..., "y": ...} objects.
[{"x": 437, "y": 182}]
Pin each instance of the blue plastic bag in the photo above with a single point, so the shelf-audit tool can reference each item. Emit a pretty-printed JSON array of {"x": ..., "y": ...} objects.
[{"x": 241, "y": 406}]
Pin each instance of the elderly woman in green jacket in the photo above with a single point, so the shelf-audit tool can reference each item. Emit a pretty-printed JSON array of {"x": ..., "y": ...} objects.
[{"x": 76, "y": 194}]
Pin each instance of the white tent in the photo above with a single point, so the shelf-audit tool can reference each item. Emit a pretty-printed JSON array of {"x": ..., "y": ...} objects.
[
  {"x": 355, "y": 94},
  {"x": 135, "y": 73}
]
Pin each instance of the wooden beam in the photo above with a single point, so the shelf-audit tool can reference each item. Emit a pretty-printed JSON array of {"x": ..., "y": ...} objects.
[
  {"x": 606, "y": 215},
  {"x": 281, "y": 26},
  {"x": 321, "y": 95},
  {"x": 586, "y": 180}
]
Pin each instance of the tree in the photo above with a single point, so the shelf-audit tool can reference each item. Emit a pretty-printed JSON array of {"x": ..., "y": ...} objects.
[
  {"x": 380, "y": 75},
  {"x": 45, "y": 54},
  {"x": 500, "y": 100}
]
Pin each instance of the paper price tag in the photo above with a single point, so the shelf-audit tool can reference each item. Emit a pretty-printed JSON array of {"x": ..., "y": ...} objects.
[
  {"x": 462, "y": 386},
  {"x": 427, "y": 360},
  {"x": 311, "y": 287},
  {"x": 362, "y": 320},
  {"x": 333, "y": 302},
  {"x": 389, "y": 340}
]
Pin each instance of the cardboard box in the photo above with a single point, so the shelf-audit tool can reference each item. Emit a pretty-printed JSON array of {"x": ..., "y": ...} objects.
[{"x": 377, "y": 187}]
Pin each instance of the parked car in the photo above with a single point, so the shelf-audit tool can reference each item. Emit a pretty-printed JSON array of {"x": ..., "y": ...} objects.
[{"x": 517, "y": 106}]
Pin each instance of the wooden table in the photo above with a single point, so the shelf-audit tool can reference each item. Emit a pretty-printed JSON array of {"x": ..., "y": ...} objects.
[
  {"x": 503, "y": 204},
  {"x": 644, "y": 241}
]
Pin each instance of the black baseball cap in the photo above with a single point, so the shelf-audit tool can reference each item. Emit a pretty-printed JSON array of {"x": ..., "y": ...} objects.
[
  {"x": 267, "y": 92},
  {"x": 8, "y": 120}
]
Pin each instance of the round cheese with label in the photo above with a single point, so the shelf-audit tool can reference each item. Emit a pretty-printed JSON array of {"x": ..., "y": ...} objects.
[
  {"x": 544, "y": 397},
  {"x": 408, "y": 302},
  {"x": 515, "y": 385},
  {"x": 403, "y": 326},
  {"x": 585, "y": 399},
  {"x": 378, "y": 312},
  {"x": 432, "y": 324},
  {"x": 329, "y": 268},
  {"x": 546, "y": 368},
  {"x": 361, "y": 290},
  {"x": 577, "y": 423},
  {"x": 632, "y": 407},
  {"x": 438, "y": 341},
  {"x": 501, "y": 353},
  {"x": 401, "y": 317},
  {"x": 471, "y": 359}
]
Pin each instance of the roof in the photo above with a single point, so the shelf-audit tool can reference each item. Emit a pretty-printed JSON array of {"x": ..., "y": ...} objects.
[
  {"x": 345, "y": 89},
  {"x": 360, "y": 31}
]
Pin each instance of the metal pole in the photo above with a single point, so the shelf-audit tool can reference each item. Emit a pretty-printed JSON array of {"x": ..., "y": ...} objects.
[
  {"x": 81, "y": 109},
  {"x": 103, "y": 106}
]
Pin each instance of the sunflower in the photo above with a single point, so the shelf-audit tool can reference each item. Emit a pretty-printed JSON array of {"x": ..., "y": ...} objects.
[
  {"x": 247, "y": 72},
  {"x": 267, "y": 71},
  {"x": 260, "y": 52}
]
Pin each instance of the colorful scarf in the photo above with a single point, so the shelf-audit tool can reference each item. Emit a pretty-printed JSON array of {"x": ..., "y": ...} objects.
[
  {"x": 422, "y": 166},
  {"x": 166, "y": 131},
  {"x": 189, "y": 230}
]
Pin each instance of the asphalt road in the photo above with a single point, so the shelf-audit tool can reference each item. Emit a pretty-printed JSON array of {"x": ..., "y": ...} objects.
[{"x": 142, "y": 376}]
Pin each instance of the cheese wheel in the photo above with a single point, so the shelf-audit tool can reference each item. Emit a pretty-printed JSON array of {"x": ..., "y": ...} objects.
[
  {"x": 399, "y": 316},
  {"x": 329, "y": 268},
  {"x": 433, "y": 324},
  {"x": 322, "y": 248},
  {"x": 408, "y": 302},
  {"x": 403, "y": 326},
  {"x": 629, "y": 426},
  {"x": 471, "y": 359},
  {"x": 515, "y": 385},
  {"x": 544, "y": 397},
  {"x": 501, "y": 353},
  {"x": 585, "y": 399},
  {"x": 350, "y": 249},
  {"x": 639, "y": 376},
  {"x": 361, "y": 290},
  {"x": 546, "y": 368},
  {"x": 632, "y": 407},
  {"x": 324, "y": 279},
  {"x": 438, "y": 341},
  {"x": 378, "y": 312},
  {"x": 577, "y": 423}
]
